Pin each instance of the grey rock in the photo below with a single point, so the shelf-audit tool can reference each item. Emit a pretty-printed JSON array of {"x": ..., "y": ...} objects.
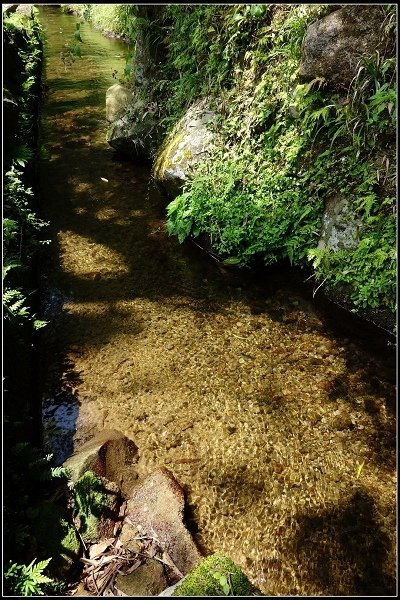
[
  {"x": 184, "y": 148},
  {"x": 118, "y": 97},
  {"x": 340, "y": 225},
  {"x": 334, "y": 45}
]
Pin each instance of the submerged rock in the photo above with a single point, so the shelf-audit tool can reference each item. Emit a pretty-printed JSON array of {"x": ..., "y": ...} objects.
[
  {"x": 156, "y": 507},
  {"x": 184, "y": 148},
  {"x": 334, "y": 45}
]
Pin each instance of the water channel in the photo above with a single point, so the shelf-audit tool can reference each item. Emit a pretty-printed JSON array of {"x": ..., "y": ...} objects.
[{"x": 280, "y": 428}]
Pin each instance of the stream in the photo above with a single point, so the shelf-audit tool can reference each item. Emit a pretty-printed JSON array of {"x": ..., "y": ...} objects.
[{"x": 279, "y": 424}]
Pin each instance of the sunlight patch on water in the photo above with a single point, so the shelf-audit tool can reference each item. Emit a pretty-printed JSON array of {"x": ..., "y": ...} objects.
[{"x": 89, "y": 259}]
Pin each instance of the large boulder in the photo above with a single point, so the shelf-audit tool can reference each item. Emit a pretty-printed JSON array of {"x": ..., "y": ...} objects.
[
  {"x": 118, "y": 97},
  {"x": 340, "y": 225},
  {"x": 334, "y": 45},
  {"x": 136, "y": 133},
  {"x": 184, "y": 148},
  {"x": 156, "y": 508}
]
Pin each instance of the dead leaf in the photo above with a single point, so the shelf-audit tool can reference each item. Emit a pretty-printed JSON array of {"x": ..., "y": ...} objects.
[{"x": 99, "y": 548}]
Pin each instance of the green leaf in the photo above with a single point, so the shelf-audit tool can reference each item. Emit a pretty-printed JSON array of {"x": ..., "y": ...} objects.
[
  {"x": 257, "y": 10},
  {"x": 226, "y": 589},
  {"x": 233, "y": 260}
]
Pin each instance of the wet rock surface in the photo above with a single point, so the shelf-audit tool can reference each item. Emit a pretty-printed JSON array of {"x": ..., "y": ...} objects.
[
  {"x": 109, "y": 454},
  {"x": 157, "y": 506}
]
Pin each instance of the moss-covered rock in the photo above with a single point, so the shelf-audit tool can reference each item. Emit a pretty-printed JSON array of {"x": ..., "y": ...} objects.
[
  {"x": 216, "y": 575},
  {"x": 190, "y": 140}
]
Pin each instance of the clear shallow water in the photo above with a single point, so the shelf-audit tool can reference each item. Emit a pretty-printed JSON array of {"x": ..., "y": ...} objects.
[{"x": 281, "y": 431}]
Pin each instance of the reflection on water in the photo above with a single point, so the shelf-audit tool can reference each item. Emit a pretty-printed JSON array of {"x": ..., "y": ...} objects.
[{"x": 238, "y": 386}]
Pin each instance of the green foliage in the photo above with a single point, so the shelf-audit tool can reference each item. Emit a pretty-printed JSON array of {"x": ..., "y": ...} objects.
[
  {"x": 369, "y": 271},
  {"x": 21, "y": 230},
  {"x": 115, "y": 19},
  {"x": 89, "y": 494},
  {"x": 28, "y": 474},
  {"x": 72, "y": 49},
  {"x": 30, "y": 477},
  {"x": 21, "y": 226},
  {"x": 284, "y": 148},
  {"x": 27, "y": 580},
  {"x": 90, "y": 503}
]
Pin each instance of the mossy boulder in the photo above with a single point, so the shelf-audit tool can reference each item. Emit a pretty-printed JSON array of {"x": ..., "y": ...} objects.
[
  {"x": 216, "y": 575},
  {"x": 184, "y": 148}
]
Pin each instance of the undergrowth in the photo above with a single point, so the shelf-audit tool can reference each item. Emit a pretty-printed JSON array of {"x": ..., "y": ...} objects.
[
  {"x": 22, "y": 228},
  {"x": 286, "y": 147},
  {"x": 28, "y": 474}
]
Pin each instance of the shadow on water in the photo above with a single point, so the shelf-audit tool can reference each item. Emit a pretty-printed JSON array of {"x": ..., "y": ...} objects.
[{"x": 348, "y": 534}]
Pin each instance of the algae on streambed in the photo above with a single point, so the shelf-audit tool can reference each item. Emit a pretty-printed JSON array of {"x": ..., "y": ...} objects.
[{"x": 281, "y": 432}]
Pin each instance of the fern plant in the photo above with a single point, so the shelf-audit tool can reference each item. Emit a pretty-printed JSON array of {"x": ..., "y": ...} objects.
[{"x": 27, "y": 580}]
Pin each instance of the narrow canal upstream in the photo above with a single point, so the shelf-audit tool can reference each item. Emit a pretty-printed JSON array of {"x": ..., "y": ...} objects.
[{"x": 281, "y": 431}]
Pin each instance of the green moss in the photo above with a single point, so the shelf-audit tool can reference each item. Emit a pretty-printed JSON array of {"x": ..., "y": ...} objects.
[
  {"x": 216, "y": 575},
  {"x": 163, "y": 161},
  {"x": 91, "y": 503}
]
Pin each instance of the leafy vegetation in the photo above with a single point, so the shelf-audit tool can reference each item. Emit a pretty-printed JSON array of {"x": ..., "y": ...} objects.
[
  {"x": 90, "y": 503},
  {"x": 21, "y": 226},
  {"x": 113, "y": 19},
  {"x": 22, "y": 498},
  {"x": 28, "y": 474},
  {"x": 285, "y": 148},
  {"x": 27, "y": 580}
]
